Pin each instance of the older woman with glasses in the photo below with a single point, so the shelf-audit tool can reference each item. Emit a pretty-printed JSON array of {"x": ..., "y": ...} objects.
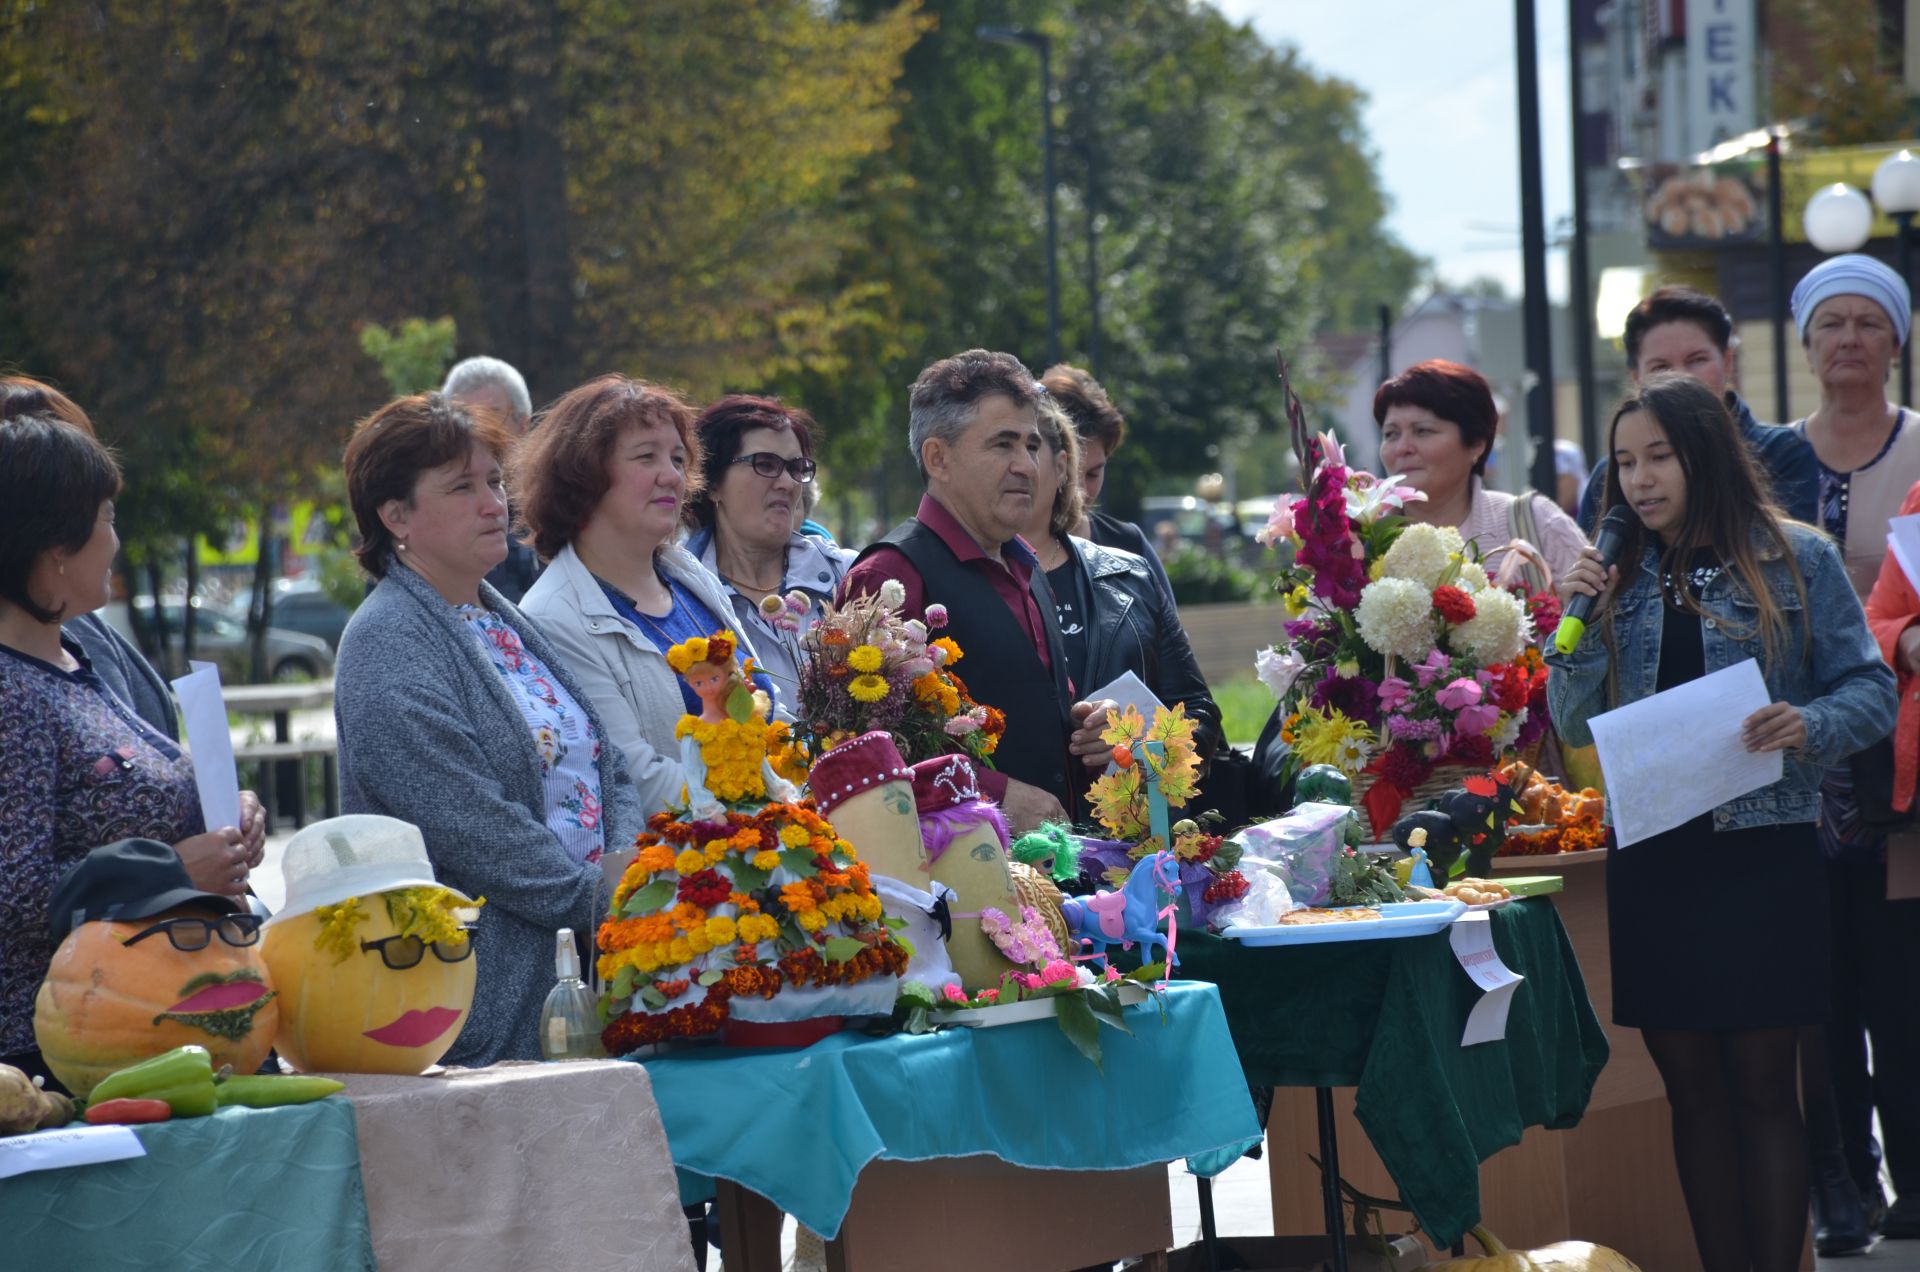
[{"x": 756, "y": 466}]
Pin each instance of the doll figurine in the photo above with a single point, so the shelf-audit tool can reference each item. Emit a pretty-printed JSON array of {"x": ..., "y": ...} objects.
[{"x": 723, "y": 750}]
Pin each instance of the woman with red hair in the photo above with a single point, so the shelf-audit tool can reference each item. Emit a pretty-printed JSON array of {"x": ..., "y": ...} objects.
[{"x": 1437, "y": 423}]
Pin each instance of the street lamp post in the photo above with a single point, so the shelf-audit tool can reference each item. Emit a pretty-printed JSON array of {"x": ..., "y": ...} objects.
[
  {"x": 1043, "y": 45},
  {"x": 1840, "y": 219},
  {"x": 1896, "y": 189},
  {"x": 1533, "y": 249}
]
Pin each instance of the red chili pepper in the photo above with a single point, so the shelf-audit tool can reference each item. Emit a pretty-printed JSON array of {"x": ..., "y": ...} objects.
[{"x": 127, "y": 1112}]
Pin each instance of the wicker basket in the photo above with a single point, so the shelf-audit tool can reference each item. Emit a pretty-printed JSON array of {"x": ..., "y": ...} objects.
[
  {"x": 1036, "y": 890},
  {"x": 1445, "y": 777}
]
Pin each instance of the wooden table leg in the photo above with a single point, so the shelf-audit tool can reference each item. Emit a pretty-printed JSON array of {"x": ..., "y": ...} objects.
[{"x": 749, "y": 1229}]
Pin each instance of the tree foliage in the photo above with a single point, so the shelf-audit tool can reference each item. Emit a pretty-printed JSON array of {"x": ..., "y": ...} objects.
[
  {"x": 413, "y": 355},
  {"x": 1842, "y": 78},
  {"x": 212, "y": 201}
]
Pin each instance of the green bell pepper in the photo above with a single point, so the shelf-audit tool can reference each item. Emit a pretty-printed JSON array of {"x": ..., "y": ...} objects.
[{"x": 182, "y": 1077}]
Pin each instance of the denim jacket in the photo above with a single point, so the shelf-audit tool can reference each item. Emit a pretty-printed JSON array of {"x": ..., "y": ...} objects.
[{"x": 1844, "y": 689}]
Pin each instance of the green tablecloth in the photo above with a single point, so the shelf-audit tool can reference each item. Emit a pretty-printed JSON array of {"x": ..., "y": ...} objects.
[
  {"x": 246, "y": 1188},
  {"x": 1386, "y": 1016}
]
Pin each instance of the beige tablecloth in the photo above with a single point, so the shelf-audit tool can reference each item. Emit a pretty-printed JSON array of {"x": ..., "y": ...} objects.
[{"x": 519, "y": 1166}]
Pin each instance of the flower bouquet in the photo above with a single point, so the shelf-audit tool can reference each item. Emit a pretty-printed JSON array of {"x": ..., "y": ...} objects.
[
  {"x": 1120, "y": 803},
  {"x": 868, "y": 668},
  {"x": 1401, "y": 655}
]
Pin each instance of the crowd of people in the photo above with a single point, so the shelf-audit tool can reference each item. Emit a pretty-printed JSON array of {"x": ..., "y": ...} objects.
[{"x": 504, "y": 686}]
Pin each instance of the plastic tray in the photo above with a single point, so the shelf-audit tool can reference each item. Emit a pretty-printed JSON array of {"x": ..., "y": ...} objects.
[
  {"x": 1042, "y": 1008},
  {"x": 1409, "y": 918}
]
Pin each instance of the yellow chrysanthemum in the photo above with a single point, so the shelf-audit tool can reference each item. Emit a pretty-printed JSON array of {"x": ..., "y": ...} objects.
[
  {"x": 865, "y": 658},
  {"x": 794, "y": 836},
  {"x": 720, "y": 930},
  {"x": 867, "y": 688},
  {"x": 766, "y": 860},
  {"x": 951, "y": 646},
  {"x": 812, "y": 920},
  {"x": 690, "y": 861},
  {"x": 1330, "y": 737},
  {"x": 680, "y": 950}
]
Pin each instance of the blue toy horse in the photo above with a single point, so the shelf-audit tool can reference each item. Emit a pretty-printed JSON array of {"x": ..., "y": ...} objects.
[{"x": 1129, "y": 915}]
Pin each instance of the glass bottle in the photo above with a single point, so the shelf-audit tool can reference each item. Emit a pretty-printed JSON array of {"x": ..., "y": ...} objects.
[{"x": 569, "y": 1025}]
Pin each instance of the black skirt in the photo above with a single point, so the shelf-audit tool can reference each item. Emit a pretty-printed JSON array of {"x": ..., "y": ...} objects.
[{"x": 1717, "y": 930}]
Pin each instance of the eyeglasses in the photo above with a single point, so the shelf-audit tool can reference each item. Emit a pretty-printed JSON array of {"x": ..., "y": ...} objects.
[
  {"x": 767, "y": 464},
  {"x": 197, "y": 934},
  {"x": 402, "y": 952}
]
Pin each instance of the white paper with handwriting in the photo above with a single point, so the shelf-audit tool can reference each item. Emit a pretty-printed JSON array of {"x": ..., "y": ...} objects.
[
  {"x": 1678, "y": 754},
  {"x": 68, "y": 1146},
  {"x": 1472, "y": 938}
]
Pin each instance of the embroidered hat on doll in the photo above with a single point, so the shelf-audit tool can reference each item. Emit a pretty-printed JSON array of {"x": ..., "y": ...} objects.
[
  {"x": 945, "y": 782},
  {"x": 867, "y": 761}
]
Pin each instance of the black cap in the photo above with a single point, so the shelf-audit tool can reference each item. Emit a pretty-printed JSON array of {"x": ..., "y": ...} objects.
[{"x": 133, "y": 879}]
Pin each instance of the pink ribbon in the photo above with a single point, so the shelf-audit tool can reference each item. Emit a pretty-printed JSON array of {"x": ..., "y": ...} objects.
[{"x": 1168, "y": 913}]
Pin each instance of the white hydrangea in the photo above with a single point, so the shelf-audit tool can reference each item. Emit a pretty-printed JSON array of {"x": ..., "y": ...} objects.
[
  {"x": 1498, "y": 630},
  {"x": 1472, "y": 578},
  {"x": 1395, "y": 616},
  {"x": 1422, "y": 554}
]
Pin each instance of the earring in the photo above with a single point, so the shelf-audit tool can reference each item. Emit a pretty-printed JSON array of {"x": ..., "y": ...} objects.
[
  {"x": 401, "y": 544},
  {"x": 63, "y": 571}
]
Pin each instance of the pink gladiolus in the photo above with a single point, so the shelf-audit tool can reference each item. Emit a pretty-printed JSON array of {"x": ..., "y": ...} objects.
[
  {"x": 1461, "y": 693},
  {"x": 1393, "y": 692}
]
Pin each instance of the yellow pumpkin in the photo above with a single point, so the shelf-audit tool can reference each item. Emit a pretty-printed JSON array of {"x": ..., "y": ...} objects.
[
  {"x": 1561, "y": 1256},
  {"x": 359, "y": 1015},
  {"x": 106, "y": 1004}
]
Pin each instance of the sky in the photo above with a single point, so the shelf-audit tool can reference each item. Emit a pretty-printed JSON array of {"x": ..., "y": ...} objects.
[{"x": 1440, "y": 117}]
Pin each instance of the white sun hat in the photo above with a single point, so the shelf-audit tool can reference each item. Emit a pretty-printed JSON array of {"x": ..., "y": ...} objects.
[{"x": 354, "y": 856}]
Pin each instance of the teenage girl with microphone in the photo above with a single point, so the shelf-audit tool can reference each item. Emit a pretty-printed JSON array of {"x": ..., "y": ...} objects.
[{"x": 1719, "y": 928}]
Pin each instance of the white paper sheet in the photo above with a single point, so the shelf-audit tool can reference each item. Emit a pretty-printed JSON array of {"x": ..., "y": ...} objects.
[
  {"x": 1903, "y": 540},
  {"x": 1129, "y": 690},
  {"x": 68, "y": 1146},
  {"x": 1472, "y": 938},
  {"x": 1677, "y": 755},
  {"x": 203, "y": 718}
]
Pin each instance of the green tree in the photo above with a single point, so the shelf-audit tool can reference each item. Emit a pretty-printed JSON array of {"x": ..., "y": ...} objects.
[
  {"x": 1838, "y": 72},
  {"x": 413, "y": 355}
]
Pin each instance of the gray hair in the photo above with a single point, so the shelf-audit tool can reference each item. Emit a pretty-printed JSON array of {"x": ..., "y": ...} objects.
[
  {"x": 490, "y": 373},
  {"x": 944, "y": 399}
]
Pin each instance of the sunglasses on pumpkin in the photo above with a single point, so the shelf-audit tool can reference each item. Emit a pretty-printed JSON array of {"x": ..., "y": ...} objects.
[
  {"x": 196, "y": 934},
  {"x": 402, "y": 952}
]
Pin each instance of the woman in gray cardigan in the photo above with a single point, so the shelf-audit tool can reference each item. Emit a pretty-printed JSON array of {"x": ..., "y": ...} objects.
[{"x": 455, "y": 714}]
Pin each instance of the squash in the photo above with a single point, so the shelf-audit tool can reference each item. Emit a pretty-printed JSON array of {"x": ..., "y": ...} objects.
[
  {"x": 106, "y": 1005},
  {"x": 1561, "y": 1256},
  {"x": 357, "y": 1015}
]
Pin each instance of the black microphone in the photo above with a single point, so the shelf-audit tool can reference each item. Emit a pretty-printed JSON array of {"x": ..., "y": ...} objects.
[{"x": 1612, "y": 537}]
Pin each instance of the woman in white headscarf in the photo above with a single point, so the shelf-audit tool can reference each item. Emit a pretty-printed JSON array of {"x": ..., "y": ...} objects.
[{"x": 1854, "y": 316}]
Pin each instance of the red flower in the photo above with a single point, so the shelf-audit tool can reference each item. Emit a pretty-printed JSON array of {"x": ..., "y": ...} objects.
[
  {"x": 705, "y": 889},
  {"x": 1545, "y": 609},
  {"x": 1452, "y": 604},
  {"x": 1405, "y": 767},
  {"x": 1474, "y": 749}
]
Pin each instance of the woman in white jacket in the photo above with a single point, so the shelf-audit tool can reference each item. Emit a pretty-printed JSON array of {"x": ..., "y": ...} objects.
[{"x": 600, "y": 484}]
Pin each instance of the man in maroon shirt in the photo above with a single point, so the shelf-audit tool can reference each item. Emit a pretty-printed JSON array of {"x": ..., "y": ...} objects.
[{"x": 975, "y": 435}]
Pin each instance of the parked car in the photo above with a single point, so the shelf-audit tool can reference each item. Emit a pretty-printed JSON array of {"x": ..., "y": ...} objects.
[
  {"x": 220, "y": 636},
  {"x": 301, "y": 605}
]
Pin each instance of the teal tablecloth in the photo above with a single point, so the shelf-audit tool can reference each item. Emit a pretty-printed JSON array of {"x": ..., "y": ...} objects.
[
  {"x": 1385, "y": 1017},
  {"x": 269, "y": 1190},
  {"x": 797, "y": 1127}
]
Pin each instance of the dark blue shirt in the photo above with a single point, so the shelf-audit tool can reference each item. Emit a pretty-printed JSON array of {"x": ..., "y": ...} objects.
[
  {"x": 688, "y": 618},
  {"x": 1788, "y": 460}
]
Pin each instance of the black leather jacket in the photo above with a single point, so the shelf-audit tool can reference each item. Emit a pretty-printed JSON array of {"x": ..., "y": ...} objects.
[{"x": 1134, "y": 627}]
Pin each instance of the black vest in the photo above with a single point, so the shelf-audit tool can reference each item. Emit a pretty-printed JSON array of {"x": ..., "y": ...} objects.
[{"x": 1001, "y": 668}]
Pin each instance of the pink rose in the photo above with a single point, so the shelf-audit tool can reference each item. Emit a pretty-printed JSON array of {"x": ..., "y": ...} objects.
[{"x": 953, "y": 993}]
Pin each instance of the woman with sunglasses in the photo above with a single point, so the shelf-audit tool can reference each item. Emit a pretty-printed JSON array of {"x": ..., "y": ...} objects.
[
  {"x": 78, "y": 766},
  {"x": 756, "y": 466},
  {"x": 601, "y": 482}
]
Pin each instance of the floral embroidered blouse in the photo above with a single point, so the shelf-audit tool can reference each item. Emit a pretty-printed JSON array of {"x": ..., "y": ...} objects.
[
  {"x": 78, "y": 769},
  {"x": 568, "y": 744}
]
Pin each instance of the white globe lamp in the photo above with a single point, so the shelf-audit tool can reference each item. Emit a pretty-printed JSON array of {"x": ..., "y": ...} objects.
[
  {"x": 1896, "y": 183},
  {"x": 1838, "y": 219}
]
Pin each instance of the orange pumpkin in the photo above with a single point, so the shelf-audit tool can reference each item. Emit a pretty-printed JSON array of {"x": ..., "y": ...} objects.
[
  {"x": 358, "y": 1015},
  {"x": 106, "y": 1004}
]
